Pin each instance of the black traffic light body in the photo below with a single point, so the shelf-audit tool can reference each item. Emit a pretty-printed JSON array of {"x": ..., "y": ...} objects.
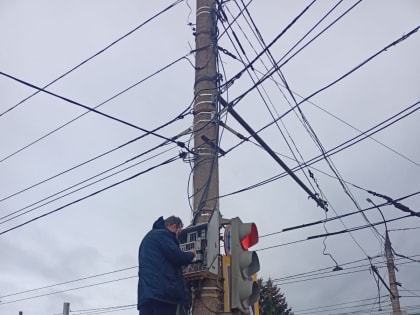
[{"x": 243, "y": 290}]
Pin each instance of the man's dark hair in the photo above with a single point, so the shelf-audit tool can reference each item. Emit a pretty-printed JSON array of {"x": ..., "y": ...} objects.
[{"x": 173, "y": 220}]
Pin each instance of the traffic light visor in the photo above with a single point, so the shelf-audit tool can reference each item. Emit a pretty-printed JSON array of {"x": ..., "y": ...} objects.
[{"x": 251, "y": 238}]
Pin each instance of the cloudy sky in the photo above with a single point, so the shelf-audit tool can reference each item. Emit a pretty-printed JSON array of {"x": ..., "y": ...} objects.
[{"x": 55, "y": 230}]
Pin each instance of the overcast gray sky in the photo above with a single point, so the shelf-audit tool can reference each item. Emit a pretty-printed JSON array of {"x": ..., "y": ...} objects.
[{"x": 42, "y": 40}]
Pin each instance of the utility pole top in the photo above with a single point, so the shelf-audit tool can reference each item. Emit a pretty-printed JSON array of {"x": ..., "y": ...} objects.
[
  {"x": 395, "y": 298},
  {"x": 66, "y": 308}
]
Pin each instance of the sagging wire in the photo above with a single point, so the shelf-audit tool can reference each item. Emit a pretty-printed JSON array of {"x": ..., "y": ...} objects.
[
  {"x": 323, "y": 197},
  {"x": 377, "y": 285}
]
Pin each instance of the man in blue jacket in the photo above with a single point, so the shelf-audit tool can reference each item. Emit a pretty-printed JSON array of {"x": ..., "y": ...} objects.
[{"x": 161, "y": 285}]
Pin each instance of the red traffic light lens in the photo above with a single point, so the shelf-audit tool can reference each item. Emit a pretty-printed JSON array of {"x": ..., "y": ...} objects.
[{"x": 251, "y": 239}]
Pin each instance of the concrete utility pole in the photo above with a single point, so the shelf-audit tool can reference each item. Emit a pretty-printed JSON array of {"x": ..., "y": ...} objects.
[
  {"x": 205, "y": 177},
  {"x": 207, "y": 298},
  {"x": 66, "y": 308},
  {"x": 395, "y": 298}
]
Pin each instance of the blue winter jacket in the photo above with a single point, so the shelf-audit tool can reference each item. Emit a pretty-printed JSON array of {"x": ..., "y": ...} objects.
[{"x": 160, "y": 273}]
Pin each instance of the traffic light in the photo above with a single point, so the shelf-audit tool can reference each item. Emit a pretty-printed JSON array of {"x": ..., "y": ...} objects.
[{"x": 244, "y": 291}]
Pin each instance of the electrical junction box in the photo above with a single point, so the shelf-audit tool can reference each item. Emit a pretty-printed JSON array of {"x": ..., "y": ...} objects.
[{"x": 204, "y": 238}]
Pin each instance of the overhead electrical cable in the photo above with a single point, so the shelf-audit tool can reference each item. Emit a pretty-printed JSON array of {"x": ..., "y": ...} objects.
[
  {"x": 92, "y": 194},
  {"x": 337, "y": 174},
  {"x": 91, "y": 109},
  {"x": 305, "y": 99},
  {"x": 331, "y": 273},
  {"x": 411, "y": 292},
  {"x": 318, "y": 201},
  {"x": 331, "y": 305},
  {"x": 67, "y": 290},
  {"x": 325, "y": 275},
  {"x": 305, "y": 225},
  {"x": 78, "y": 189},
  {"x": 234, "y": 20},
  {"x": 335, "y": 309},
  {"x": 130, "y": 277},
  {"x": 270, "y": 101},
  {"x": 67, "y": 282},
  {"x": 285, "y": 156},
  {"x": 96, "y": 54},
  {"x": 180, "y": 116},
  {"x": 404, "y": 229},
  {"x": 250, "y": 65},
  {"x": 230, "y": 82},
  {"x": 285, "y": 278},
  {"x": 357, "y": 228},
  {"x": 103, "y": 310},
  {"x": 317, "y": 141},
  {"x": 316, "y": 36},
  {"x": 333, "y": 218},
  {"x": 269, "y": 74},
  {"x": 355, "y": 128},
  {"x": 102, "y": 103},
  {"x": 348, "y": 143},
  {"x": 330, "y": 269},
  {"x": 342, "y": 15}
]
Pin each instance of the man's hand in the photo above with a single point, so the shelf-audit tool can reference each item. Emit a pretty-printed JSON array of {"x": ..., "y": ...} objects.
[{"x": 193, "y": 251}]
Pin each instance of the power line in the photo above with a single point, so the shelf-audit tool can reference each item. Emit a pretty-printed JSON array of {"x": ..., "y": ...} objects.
[
  {"x": 286, "y": 278},
  {"x": 325, "y": 220},
  {"x": 78, "y": 189},
  {"x": 334, "y": 150},
  {"x": 91, "y": 195},
  {"x": 102, "y": 103},
  {"x": 95, "y": 55},
  {"x": 329, "y": 274},
  {"x": 255, "y": 135},
  {"x": 329, "y": 113},
  {"x": 249, "y": 65},
  {"x": 91, "y": 109},
  {"x": 67, "y": 282},
  {"x": 405, "y": 229},
  {"x": 337, "y": 308},
  {"x": 307, "y": 126},
  {"x": 180, "y": 116},
  {"x": 258, "y": 89},
  {"x": 338, "y": 304},
  {"x": 357, "y": 228},
  {"x": 67, "y": 290},
  {"x": 318, "y": 271},
  {"x": 337, "y": 217},
  {"x": 103, "y": 310},
  {"x": 351, "y": 126},
  {"x": 269, "y": 74},
  {"x": 234, "y": 20}
]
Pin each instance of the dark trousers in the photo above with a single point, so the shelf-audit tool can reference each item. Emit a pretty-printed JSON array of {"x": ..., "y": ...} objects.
[{"x": 158, "y": 308}]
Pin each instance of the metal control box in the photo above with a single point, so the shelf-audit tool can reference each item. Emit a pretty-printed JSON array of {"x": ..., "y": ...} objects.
[{"x": 204, "y": 238}]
